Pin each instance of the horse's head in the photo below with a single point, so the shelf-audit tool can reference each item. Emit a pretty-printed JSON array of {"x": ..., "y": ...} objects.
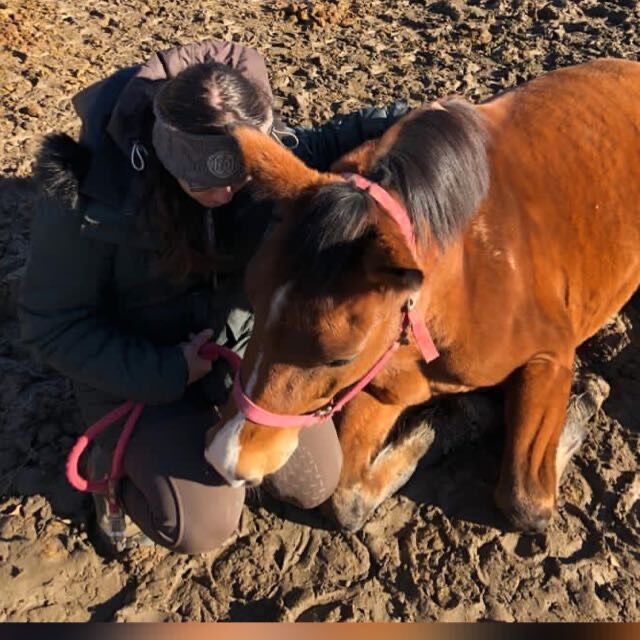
[{"x": 327, "y": 287}]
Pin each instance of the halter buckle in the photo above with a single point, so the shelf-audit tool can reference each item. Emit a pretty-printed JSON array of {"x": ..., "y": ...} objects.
[
  {"x": 403, "y": 339},
  {"x": 325, "y": 411}
]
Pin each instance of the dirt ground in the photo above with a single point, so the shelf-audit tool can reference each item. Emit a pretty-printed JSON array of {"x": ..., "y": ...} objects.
[{"x": 437, "y": 551}]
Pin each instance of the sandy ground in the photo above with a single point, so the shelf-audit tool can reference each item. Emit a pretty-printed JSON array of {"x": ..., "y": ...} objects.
[{"x": 438, "y": 550}]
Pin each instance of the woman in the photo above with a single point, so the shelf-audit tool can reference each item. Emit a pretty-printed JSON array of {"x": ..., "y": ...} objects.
[{"x": 138, "y": 248}]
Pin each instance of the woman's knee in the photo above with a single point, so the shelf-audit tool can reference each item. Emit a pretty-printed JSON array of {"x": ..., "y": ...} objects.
[
  {"x": 209, "y": 521},
  {"x": 173, "y": 494},
  {"x": 186, "y": 519},
  {"x": 312, "y": 473}
]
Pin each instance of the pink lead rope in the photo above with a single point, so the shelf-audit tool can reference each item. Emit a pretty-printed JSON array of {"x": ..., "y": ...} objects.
[
  {"x": 410, "y": 320},
  {"x": 133, "y": 410}
]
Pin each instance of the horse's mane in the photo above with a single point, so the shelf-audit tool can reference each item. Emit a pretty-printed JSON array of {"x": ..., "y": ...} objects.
[{"x": 438, "y": 164}]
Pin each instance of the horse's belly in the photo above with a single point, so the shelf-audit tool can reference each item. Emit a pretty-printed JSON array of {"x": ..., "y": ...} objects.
[{"x": 598, "y": 308}]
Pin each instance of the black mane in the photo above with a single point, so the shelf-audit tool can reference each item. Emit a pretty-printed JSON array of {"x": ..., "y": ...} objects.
[
  {"x": 329, "y": 234},
  {"x": 438, "y": 164}
]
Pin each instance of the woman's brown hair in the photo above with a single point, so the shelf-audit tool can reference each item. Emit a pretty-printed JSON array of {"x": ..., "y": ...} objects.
[{"x": 202, "y": 99}]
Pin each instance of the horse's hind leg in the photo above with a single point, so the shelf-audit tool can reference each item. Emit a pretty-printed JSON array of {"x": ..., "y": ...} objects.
[
  {"x": 535, "y": 405},
  {"x": 589, "y": 394}
]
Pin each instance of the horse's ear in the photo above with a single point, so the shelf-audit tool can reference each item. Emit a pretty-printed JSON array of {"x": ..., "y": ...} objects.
[
  {"x": 356, "y": 161},
  {"x": 389, "y": 262},
  {"x": 276, "y": 171}
]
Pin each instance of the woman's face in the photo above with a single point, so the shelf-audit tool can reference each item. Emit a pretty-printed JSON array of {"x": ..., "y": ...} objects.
[
  {"x": 217, "y": 196},
  {"x": 213, "y": 196}
]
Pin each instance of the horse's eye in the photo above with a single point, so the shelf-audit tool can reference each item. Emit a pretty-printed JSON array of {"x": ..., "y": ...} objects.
[{"x": 341, "y": 362}]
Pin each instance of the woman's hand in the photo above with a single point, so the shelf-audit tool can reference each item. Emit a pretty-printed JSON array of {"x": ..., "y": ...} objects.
[{"x": 198, "y": 366}]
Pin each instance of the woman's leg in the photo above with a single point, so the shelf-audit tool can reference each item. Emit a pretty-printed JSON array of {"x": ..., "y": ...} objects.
[
  {"x": 176, "y": 497},
  {"x": 312, "y": 473},
  {"x": 170, "y": 491}
]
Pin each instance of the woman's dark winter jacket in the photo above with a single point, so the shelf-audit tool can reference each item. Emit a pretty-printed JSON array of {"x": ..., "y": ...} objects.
[{"x": 92, "y": 303}]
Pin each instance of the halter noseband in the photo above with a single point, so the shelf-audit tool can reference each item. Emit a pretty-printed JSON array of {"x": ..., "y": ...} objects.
[{"x": 410, "y": 321}]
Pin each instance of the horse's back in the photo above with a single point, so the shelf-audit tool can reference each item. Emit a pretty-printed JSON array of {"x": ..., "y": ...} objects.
[
  {"x": 610, "y": 78},
  {"x": 565, "y": 156}
]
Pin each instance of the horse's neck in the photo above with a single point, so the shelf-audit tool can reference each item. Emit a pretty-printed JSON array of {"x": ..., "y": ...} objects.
[
  {"x": 462, "y": 291},
  {"x": 444, "y": 295}
]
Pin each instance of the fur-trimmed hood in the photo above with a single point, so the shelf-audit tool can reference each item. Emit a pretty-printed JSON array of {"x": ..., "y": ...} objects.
[
  {"x": 60, "y": 166},
  {"x": 117, "y": 113}
]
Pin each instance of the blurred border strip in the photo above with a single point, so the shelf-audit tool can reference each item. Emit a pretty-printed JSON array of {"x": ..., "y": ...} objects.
[{"x": 316, "y": 631}]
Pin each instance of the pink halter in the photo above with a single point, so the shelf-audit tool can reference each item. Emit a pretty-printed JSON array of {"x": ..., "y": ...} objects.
[{"x": 410, "y": 319}]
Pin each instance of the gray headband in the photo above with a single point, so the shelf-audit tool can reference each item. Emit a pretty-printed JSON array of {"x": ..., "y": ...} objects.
[{"x": 202, "y": 161}]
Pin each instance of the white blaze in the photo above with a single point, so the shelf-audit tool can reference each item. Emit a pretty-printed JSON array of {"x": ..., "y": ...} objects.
[
  {"x": 223, "y": 452},
  {"x": 277, "y": 304}
]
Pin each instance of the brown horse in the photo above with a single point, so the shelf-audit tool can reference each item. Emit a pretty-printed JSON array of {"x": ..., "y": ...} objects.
[{"x": 526, "y": 211}]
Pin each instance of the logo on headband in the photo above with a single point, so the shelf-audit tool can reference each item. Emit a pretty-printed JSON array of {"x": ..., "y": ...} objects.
[{"x": 223, "y": 164}]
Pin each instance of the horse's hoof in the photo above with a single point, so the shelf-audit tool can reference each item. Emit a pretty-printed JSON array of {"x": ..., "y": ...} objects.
[
  {"x": 530, "y": 523},
  {"x": 524, "y": 513},
  {"x": 349, "y": 509}
]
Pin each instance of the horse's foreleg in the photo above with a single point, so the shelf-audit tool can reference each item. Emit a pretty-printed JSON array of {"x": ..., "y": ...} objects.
[
  {"x": 536, "y": 403},
  {"x": 368, "y": 475}
]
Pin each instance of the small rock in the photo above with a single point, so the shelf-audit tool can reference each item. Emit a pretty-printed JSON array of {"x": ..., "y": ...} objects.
[
  {"x": 548, "y": 12},
  {"x": 299, "y": 100},
  {"x": 597, "y": 11},
  {"x": 21, "y": 55},
  {"x": 609, "y": 342},
  {"x": 9, "y": 527},
  {"x": 50, "y": 613},
  {"x": 531, "y": 545},
  {"x": 496, "y": 611},
  {"x": 485, "y": 36},
  {"x": 470, "y": 81},
  {"x": 32, "y": 110},
  {"x": 577, "y": 27},
  {"x": 617, "y": 17},
  {"x": 450, "y": 8},
  {"x": 54, "y": 549}
]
